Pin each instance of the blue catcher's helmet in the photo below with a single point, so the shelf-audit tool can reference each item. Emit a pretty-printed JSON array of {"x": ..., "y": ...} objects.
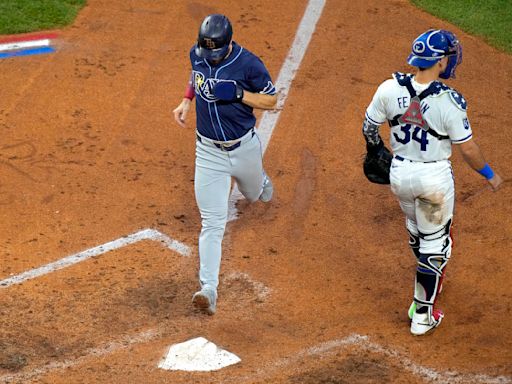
[
  {"x": 214, "y": 37},
  {"x": 432, "y": 46}
]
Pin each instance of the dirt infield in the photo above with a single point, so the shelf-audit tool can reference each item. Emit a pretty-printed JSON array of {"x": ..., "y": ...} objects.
[{"x": 315, "y": 286}]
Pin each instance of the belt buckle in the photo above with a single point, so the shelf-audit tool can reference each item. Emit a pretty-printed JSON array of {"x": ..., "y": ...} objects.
[
  {"x": 223, "y": 147},
  {"x": 231, "y": 147}
]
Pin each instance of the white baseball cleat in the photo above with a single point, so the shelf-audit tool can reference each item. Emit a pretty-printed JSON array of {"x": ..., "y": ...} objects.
[
  {"x": 422, "y": 323},
  {"x": 205, "y": 300},
  {"x": 268, "y": 189}
]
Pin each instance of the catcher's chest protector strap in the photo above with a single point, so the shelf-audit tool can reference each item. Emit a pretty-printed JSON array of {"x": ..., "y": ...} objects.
[{"x": 413, "y": 114}]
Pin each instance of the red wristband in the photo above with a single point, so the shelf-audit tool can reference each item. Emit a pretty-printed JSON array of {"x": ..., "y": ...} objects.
[{"x": 189, "y": 92}]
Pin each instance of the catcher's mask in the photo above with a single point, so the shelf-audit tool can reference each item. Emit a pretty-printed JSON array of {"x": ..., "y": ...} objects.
[
  {"x": 432, "y": 46},
  {"x": 214, "y": 38}
]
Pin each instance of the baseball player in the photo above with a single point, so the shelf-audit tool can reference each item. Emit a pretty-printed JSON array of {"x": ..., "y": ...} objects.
[
  {"x": 227, "y": 81},
  {"x": 426, "y": 118}
]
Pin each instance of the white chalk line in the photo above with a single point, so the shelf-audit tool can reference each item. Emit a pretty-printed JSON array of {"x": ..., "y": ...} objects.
[
  {"x": 362, "y": 342},
  {"x": 449, "y": 377},
  {"x": 145, "y": 234},
  {"x": 323, "y": 349},
  {"x": 284, "y": 80},
  {"x": 106, "y": 349},
  {"x": 261, "y": 290}
]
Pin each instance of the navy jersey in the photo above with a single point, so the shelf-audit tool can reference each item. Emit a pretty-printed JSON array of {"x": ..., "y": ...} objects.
[{"x": 220, "y": 120}]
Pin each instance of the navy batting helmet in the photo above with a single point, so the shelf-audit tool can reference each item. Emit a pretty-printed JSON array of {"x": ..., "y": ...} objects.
[
  {"x": 214, "y": 37},
  {"x": 432, "y": 46}
]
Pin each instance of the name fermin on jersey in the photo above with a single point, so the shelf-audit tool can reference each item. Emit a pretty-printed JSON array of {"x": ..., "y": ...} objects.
[{"x": 426, "y": 132}]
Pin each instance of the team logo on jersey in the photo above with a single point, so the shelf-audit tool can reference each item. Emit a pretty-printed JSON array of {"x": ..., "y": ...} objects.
[{"x": 204, "y": 87}]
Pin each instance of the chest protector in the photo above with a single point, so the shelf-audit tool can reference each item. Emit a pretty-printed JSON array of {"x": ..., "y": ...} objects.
[{"x": 413, "y": 113}]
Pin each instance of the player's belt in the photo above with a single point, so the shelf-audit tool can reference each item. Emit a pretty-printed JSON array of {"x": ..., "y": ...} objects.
[
  {"x": 400, "y": 158},
  {"x": 226, "y": 145}
]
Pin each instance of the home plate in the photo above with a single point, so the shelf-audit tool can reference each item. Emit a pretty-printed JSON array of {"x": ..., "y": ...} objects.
[{"x": 197, "y": 354}]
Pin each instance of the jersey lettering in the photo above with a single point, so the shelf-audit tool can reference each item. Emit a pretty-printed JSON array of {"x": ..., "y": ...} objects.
[
  {"x": 205, "y": 87},
  {"x": 422, "y": 138},
  {"x": 440, "y": 105},
  {"x": 402, "y": 102},
  {"x": 222, "y": 120}
]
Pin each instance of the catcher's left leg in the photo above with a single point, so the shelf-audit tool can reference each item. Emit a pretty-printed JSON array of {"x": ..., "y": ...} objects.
[
  {"x": 414, "y": 243},
  {"x": 434, "y": 214}
]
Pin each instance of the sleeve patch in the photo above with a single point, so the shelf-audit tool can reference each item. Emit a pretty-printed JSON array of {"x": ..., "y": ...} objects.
[
  {"x": 459, "y": 100},
  {"x": 465, "y": 121}
]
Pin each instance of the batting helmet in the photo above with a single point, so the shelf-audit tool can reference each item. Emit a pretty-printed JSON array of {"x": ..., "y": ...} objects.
[
  {"x": 214, "y": 37},
  {"x": 432, "y": 46}
]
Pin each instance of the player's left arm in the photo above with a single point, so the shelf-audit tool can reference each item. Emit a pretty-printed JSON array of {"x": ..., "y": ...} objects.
[
  {"x": 473, "y": 156},
  {"x": 262, "y": 92},
  {"x": 259, "y": 100},
  {"x": 231, "y": 91},
  {"x": 460, "y": 133}
]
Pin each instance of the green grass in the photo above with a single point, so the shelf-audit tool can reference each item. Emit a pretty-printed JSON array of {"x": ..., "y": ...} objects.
[
  {"x": 19, "y": 16},
  {"x": 490, "y": 19}
]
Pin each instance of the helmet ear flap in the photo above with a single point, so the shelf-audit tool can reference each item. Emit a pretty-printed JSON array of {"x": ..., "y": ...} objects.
[{"x": 454, "y": 54}]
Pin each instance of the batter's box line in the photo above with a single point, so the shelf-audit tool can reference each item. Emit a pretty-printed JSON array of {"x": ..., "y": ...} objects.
[
  {"x": 102, "y": 351},
  {"x": 363, "y": 343},
  {"x": 144, "y": 234}
]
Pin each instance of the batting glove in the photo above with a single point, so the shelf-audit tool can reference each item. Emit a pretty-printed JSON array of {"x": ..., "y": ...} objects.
[{"x": 228, "y": 91}]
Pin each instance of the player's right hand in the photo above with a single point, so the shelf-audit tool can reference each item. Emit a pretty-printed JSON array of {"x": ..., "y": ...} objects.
[
  {"x": 180, "y": 113},
  {"x": 495, "y": 182}
]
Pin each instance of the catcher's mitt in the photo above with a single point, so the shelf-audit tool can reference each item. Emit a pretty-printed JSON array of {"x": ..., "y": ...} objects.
[{"x": 377, "y": 163}]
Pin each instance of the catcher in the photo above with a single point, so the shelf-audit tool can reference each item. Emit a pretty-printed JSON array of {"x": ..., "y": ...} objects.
[{"x": 426, "y": 118}]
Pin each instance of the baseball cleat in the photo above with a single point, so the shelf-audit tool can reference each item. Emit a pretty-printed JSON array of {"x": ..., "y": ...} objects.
[
  {"x": 422, "y": 323},
  {"x": 205, "y": 300},
  {"x": 412, "y": 309},
  {"x": 268, "y": 189}
]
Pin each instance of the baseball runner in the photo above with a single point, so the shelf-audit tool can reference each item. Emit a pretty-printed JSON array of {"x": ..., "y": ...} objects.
[
  {"x": 426, "y": 118},
  {"x": 228, "y": 81}
]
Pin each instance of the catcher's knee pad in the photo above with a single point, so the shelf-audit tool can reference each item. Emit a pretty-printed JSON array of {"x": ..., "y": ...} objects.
[
  {"x": 439, "y": 242},
  {"x": 414, "y": 243}
]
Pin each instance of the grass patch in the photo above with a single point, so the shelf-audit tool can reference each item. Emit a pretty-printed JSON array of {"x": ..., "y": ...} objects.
[
  {"x": 490, "y": 19},
  {"x": 20, "y": 16}
]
